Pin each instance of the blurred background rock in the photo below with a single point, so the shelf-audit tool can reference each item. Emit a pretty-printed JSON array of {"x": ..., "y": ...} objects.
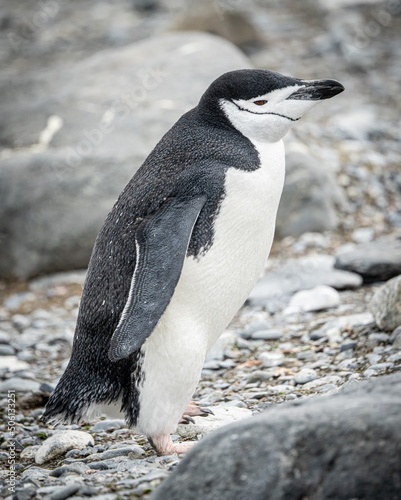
[{"x": 88, "y": 87}]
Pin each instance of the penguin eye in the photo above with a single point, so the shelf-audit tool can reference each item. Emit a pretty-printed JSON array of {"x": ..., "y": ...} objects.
[{"x": 260, "y": 103}]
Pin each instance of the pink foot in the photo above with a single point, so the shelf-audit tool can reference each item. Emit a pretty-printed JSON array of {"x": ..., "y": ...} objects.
[
  {"x": 194, "y": 410},
  {"x": 164, "y": 445}
]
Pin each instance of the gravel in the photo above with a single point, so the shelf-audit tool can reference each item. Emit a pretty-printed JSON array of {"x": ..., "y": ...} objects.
[{"x": 263, "y": 360}]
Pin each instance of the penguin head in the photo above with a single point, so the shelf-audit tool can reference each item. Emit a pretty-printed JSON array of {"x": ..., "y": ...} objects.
[{"x": 261, "y": 104}]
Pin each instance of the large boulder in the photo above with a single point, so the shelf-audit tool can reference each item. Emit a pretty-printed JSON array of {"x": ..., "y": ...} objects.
[
  {"x": 347, "y": 445},
  {"x": 87, "y": 127}
]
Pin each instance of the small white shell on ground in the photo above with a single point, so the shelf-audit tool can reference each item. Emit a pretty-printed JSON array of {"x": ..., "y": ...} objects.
[
  {"x": 222, "y": 415},
  {"x": 60, "y": 443}
]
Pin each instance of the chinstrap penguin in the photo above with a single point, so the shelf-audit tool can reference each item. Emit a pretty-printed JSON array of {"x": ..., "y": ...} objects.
[{"x": 179, "y": 253}]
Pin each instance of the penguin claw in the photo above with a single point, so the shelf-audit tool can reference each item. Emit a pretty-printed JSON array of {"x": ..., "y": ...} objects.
[
  {"x": 194, "y": 410},
  {"x": 186, "y": 419},
  {"x": 206, "y": 412}
]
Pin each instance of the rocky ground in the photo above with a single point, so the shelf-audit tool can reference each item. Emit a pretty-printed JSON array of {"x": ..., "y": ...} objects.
[
  {"x": 274, "y": 351},
  {"x": 282, "y": 345}
]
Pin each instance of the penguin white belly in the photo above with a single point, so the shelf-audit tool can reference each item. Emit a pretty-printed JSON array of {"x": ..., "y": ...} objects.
[{"x": 210, "y": 291}]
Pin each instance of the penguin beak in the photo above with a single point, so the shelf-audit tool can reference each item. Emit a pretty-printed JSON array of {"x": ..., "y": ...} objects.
[{"x": 317, "y": 90}]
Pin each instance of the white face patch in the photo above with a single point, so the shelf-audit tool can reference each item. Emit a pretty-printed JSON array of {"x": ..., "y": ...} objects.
[{"x": 268, "y": 117}]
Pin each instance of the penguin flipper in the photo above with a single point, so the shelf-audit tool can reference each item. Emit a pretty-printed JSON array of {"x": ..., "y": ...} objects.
[{"x": 161, "y": 243}]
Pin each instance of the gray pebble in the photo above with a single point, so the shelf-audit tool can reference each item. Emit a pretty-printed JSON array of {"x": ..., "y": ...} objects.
[
  {"x": 5, "y": 337},
  {"x": 14, "y": 301},
  {"x": 259, "y": 376},
  {"x": 348, "y": 345},
  {"x": 305, "y": 375},
  {"x": 25, "y": 493},
  {"x": 326, "y": 388},
  {"x": 369, "y": 373},
  {"x": 6, "y": 350},
  {"x": 19, "y": 385},
  {"x": 105, "y": 496},
  {"x": 378, "y": 337},
  {"x": 35, "y": 473},
  {"x": 266, "y": 335},
  {"x": 20, "y": 322},
  {"x": 64, "y": 491},
  {"x": 242, "y": 343},
  {"x": 211, "y": 365},
  {"x": 306, "y": 355},
  {"x": 373, "y": 358},
  {"x": 98, "y": 465},
  {"x": 257, "y": 326},
  {"x": 318, "y": 334},
  {"x": 25, "y": 356},
  {"x": 394, "y": 357},
  {"x": 75, "y": 468},
  {"x": 381, "y": 366},
  {"x": 117, "y": 452},
  {"x": 395, "y": 338},
  {"x": 348, "y": 364},
  {"x": 108, "y": 425},
  {"x": 331, "y": 380},
  {"x": 271, "y": 359}
]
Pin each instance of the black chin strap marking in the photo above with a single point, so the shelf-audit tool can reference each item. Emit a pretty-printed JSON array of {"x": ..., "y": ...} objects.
[{"x": 267, "y": 113}]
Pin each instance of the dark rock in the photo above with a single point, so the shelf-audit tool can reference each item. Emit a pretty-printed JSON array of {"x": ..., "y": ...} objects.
[
  {"x": 46, "y": 388},
  {"x": 323, "y": 447},
  {"x": 309, "y": 199},
  {"x": 114, "y": 107},
  {"x": 378, "y": 260},
  {"x": 386, "y": 305}
]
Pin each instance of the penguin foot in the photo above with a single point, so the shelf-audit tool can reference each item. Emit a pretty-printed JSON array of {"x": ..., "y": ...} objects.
[
  {"x": 194, "y": 410},
  {"x": 164, "y": 445}
]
